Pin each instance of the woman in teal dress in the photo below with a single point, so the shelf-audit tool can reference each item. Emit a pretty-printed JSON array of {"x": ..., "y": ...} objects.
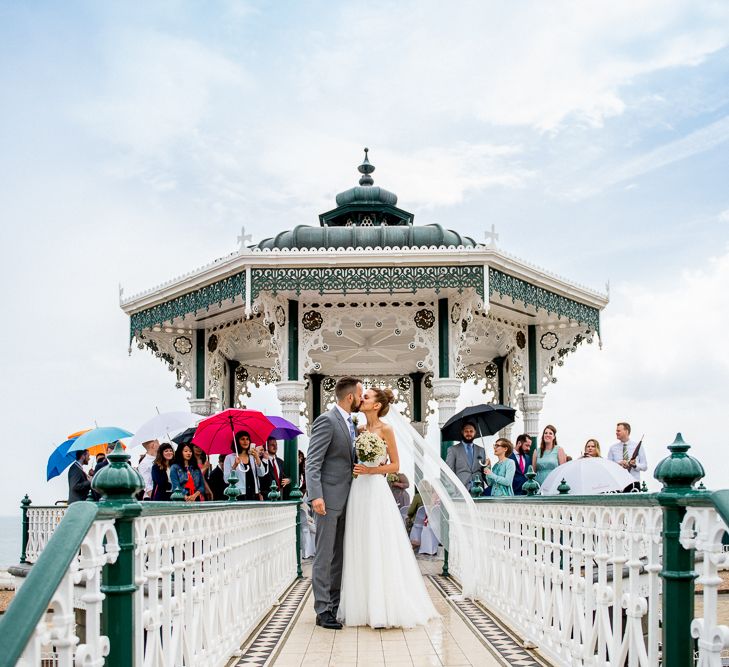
[
  {"x": 549, "y": 455},
  {"x": 501, "y": 476}
]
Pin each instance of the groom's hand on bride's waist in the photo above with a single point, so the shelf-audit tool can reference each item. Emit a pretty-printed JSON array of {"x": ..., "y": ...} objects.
[{"x": 318, "y": 506}]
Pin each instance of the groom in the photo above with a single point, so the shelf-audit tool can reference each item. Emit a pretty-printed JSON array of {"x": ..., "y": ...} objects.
[{"x": 329, "y": 464}]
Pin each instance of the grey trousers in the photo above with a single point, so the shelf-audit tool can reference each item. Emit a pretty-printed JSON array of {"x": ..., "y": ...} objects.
[{"x": 326, "y": 576}]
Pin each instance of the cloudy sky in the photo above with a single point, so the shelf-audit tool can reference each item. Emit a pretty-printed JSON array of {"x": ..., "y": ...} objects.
[{"x": 136, "y": 140}]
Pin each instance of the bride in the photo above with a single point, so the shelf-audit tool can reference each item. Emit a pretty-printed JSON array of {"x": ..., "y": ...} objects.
[{"x": 381, "y": 582}]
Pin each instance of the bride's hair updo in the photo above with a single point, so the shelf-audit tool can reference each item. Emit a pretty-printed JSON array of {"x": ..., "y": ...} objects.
[{"x": 384, "y": 397}]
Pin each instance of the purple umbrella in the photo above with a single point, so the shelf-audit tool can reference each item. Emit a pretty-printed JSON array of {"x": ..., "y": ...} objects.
[{"x": 283, "y": 429}]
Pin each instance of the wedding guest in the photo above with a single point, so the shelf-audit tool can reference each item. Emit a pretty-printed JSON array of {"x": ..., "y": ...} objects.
[
  {"x": 246, "y": 464},
  {"x": 145, "y": 466},
  {"x": 501, "y": 476},
  {"x": 204, "y": 466},
  {"x": 522, "y": 460},
  {"x": 399, "y": 482},
  {"x": 302, "y": 473},
  {"x": 274, "y": 471},
  {"x": 160, "y": 473},
  {"x": 415, "y": 505},
  {"x": 217, "y": 481},
  {"x": 185, "y": 475},
  {"x": 549, "y": 455},
  {"x": 623, "y": 452},
  {"x": 79, "y": 483},
  {"x": 464, "y": 458},
  {"x": 592, "y": 449},
  {"x": 99, "y": 463}
]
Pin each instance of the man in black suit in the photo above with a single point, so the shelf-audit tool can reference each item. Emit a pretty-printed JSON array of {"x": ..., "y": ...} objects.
[
  {"x": 78, "y": 481},
  {"x": 275, "y": 471},
  {"x": 522, "y": 457},
  {"x": 217, "y": 481}
]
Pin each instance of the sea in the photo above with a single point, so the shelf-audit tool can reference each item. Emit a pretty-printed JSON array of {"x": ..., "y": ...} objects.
[{"x": 10, "y": 540}]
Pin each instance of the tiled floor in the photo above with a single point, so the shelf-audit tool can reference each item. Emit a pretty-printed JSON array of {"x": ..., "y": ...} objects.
[{"x": 446, "y": 641}]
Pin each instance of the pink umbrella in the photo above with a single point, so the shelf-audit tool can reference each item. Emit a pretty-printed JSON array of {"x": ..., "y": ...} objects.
[{"x": 216, "y": 434}]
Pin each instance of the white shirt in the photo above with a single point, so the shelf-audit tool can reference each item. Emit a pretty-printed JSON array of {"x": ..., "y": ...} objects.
[
  {"x": 616, "y": 454},
  {"x": 145, "y": 470},
  {"x": 347, "y": 418}
]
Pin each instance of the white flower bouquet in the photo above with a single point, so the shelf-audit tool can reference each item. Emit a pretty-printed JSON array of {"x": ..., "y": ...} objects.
[{"x": 370, "y": 448}]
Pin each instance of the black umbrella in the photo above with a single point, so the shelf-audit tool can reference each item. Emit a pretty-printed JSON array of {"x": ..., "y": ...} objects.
[
  {"x": 488, "y": 419},
  {"x": 185, "y": 438}
]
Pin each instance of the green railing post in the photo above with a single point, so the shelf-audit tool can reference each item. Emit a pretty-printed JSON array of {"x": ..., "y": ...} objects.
[
  {"x": 24, "y": 505},
  {"x": 678, "y": 473},
  {"x": 118, "y": 483},
  {"x": 531, "y": 486}
]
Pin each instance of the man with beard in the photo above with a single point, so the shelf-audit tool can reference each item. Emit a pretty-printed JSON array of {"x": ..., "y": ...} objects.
[
  {"x": 465, "y": 458},
  {"x": 275, "y": 469}
]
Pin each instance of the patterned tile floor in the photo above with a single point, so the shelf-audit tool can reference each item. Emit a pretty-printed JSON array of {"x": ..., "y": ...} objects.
[{"x": 463, "y": 635}]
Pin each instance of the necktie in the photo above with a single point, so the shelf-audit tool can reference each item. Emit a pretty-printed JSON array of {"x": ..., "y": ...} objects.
[
  {"x": 469, "y": 451},
  {"x": 351, "y": 428},
  {"x": 521, "y": 463},
  {"x": 625, "y": 451},
  {"x": 276, "y": 473}
]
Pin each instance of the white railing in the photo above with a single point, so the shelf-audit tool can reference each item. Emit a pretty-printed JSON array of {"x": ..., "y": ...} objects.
[
  {"x": 207, "y": 578},
  {"x": 703, "y": 529},
  {"x": 55, "y": 640},
  {"x": 580, "y": 582},
  {"x": 42, "y": 523}
]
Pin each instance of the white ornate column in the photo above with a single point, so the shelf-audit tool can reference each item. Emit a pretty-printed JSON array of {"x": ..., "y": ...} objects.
[
  {"x": 530, "y": 406},
  {"x": 203, "y": 406},
  {"x": 291, "y": 394},
  {"x": 446, "y": 392}
]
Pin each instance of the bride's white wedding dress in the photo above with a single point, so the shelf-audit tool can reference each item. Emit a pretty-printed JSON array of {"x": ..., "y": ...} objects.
[{"x": 381, "y": 581}]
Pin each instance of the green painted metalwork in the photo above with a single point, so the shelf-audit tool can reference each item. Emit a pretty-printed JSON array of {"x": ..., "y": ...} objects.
[
  {"x": 200, "y": 299},
  {"x": 542, "y": 299},
  {"x": 231, "y": 491},
  {"x": 33, "y": 597},
  {"x": 416, "y": 380},
  {"x": 563, "y": 488},
  {"x": 293, "y": 357},
  {"x": 443, "y": 348},
  {"x": 24, "y": 505},
  {"x": 531, "y": 486},
  {"x": 678, "y": 473},
  {"x": 366, "y": 279},
  {"x": 476, "y": 487},
  {"x": 200, "y": 363},
  {"x": 274, "y": 494},
  {"x": 532, "y": 356},
  {"x": 315, "y": 380}
]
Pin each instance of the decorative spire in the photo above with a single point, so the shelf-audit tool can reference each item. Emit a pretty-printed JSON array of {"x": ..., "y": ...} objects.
[{"x": 366, "y": 169}]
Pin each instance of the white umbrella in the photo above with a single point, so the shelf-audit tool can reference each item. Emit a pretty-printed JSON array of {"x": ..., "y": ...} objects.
[
  {"x": 587, "y": 476},
  {"x": 164, "y": 426}
]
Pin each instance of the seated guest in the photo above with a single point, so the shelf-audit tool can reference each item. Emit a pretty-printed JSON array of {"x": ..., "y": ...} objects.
[
  {"x": 161, "y": 485},
  {"x": 522, "y": 458},
  {"x": 185, "y": 475},
  {"x": 415, "y": 505},
  {"x": 217, "y": 481},
  {"x": 302, "y": 473},
  {"x": 592, "y": 449},
  {"x": 247, "y": 466},
  {"x": 79, "y": 484},
  {"x": 463, "y": 458},
  {"x": 549, "y": 455},
  {"x": 501, "y": 475},
  {"x": 399, "y": 482},
  {"x": 274, "y": 471}
]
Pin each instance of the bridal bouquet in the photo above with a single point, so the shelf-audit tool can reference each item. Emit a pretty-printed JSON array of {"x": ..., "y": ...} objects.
[{"x": 370, "y": 447}]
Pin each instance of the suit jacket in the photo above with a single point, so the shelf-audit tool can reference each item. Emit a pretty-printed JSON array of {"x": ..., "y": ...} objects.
[
  {"x": 78, "y": 484},
  {"x": 330, "y": 460},
  {"x": 519, "y": 476},
  {"x": 457, "y": 461},
  {"x": 270, "y": 477},
  {"x": 217, "y": 483}
]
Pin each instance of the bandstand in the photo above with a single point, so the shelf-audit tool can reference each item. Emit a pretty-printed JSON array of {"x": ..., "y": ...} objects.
[{"x": 367, "y": 292}]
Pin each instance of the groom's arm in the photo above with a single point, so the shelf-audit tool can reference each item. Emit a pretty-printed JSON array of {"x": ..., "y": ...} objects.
[{"x": 321, "y": 438}]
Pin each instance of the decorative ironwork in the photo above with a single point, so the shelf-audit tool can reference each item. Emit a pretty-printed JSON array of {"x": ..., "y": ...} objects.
[
  {"x": 241, "y": 374},
  {"x": 366, "y": 279},
  {"x": 424, "y": 319},
  {"x": 328, "y": 384},
  {"x": 403, "y": 383},
  {"x": 183, "y": 344},
  {"x": 312, "y": 320},
  {"x": 203, "y": 298},
  {"x": 491, "y": 371},
  {"x": 280, "y": 316},
  {"x": 520, "y": 340},
  {"x": 540, "y": 298},
  {"x": 212, "y": 343},
  {"x": 455, "y": 312},
  {"x": 549, "y": 340}
]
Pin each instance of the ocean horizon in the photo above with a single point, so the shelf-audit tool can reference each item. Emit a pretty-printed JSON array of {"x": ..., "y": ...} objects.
[{"x": 10, "y": 540}]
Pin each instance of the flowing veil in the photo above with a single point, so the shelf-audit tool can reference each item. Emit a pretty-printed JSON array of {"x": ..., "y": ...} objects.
[{"x": 450, "y": 509}]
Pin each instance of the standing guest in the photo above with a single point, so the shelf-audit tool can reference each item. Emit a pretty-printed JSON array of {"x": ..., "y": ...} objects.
[
  {"x": 203, "y": 465},
  {"x": 79, "y": 483},
  {"x": 274, "y": 471},
  {"x": 247, "y": 466},
  {"x": 161, "y": 485},
  {"x": 399, "y": 482},
  {"x": 217, "y": 481},
  {"x": 185, "y": 475},
  {"x": 522, "y": 460},
  {"x": 302, "y": 473},
  {"x": 592, "y": 449},
  {"x": 549, "y": 455},
  {"x": 501, "y": 476},
  {"x": 623, "y": 453},
  {"x": 145, "y": 465},
  {"x": 465, "y": 458},
  {"x": 100, "y": 462}
]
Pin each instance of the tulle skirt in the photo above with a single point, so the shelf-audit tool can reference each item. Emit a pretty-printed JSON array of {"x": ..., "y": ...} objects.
[{"x": 381, "y": 581}]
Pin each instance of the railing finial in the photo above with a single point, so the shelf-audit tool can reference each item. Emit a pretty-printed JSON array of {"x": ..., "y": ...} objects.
[
  {"x": 117, "y": 482},
  {"x": 531, "y": 486},
  {"x": 679, "y": 471}
]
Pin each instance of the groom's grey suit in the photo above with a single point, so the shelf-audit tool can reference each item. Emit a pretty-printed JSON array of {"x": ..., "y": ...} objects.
[{"x": 329, "y": 463}]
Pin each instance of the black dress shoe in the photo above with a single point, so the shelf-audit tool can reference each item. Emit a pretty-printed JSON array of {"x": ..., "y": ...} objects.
[{"x": 327, "y": 621}]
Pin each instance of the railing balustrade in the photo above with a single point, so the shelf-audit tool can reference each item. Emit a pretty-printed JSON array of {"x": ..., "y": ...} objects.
[{"x": 42, "y": 523}]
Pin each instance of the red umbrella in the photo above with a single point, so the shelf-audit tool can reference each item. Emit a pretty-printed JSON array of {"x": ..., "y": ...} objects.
[{"x": 215, "y": 434}]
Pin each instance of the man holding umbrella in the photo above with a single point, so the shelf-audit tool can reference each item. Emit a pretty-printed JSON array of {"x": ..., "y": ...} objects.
[{"x": 465, "y": 458}]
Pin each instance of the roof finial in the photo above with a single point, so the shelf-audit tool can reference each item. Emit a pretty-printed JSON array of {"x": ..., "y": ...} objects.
[{"x": 366, "y": 169}]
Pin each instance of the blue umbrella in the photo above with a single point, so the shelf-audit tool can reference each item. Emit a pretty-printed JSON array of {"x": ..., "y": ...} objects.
[
  {"x": 283, "y": 429},
  {"x": 60, "y": 459},
  {"x": 99, "y": 436}
]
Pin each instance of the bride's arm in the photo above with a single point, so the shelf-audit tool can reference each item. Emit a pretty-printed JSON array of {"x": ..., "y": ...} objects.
[{"x": 388, "y": 435}]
